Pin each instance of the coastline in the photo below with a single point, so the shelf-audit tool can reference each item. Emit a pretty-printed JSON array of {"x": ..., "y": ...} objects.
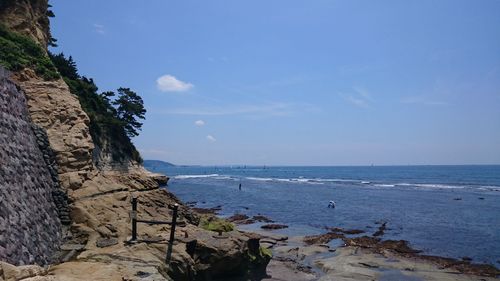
[{"x": 352, "y": 254}]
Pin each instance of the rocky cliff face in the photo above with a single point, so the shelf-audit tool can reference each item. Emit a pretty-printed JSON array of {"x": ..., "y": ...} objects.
[
  {"x": 28, "y": 17},
  {"x": 30, "y": 229},
  {"x": 55, "y": 109}
]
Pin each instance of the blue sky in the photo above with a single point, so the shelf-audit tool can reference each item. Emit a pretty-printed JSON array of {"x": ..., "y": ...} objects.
[{"x": 298, "y": 82}]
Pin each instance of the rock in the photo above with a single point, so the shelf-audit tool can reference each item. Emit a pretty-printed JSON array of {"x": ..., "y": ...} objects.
[
  {"x": 322, "y": 238},
  {"x": 106, "y": 242},
  {"x": 159, "y": 178},
  {"x": 211, "y": 211},
  {"x": 104, "y": 231},
  {"x": 14, "y": 273},
  {"x": 345, "y": 231},
  {"x": 261, "y": 218},
  {"x": 237, "y": 217},
  {"x": 266, "y": 245},
  {"x": 380, "y": 230},
  {"x": 274, "y": 226}
]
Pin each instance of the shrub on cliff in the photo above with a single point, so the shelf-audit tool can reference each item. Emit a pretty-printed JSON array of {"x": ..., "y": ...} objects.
[{"x": 18, "y": 52}]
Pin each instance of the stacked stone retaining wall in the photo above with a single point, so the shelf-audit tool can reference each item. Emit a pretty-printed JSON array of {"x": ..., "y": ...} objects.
[{"x": 30, "y": 228}]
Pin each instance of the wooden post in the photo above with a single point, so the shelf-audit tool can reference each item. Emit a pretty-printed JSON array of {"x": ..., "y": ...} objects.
[
  {"x": 174, "y": 221},
  {"x": 133, "y": 216},
  {"x": 172, "y": 234}
]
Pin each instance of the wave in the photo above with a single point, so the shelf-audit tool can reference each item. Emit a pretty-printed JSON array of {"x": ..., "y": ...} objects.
[
  {"x": 365, "y": 183},
  {"x": 183, "y": 177}
]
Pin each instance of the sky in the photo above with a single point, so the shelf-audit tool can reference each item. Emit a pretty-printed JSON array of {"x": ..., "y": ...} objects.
[{"x": 284, "y": 82}]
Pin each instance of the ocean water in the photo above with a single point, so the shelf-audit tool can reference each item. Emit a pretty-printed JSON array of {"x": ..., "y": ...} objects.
[{"x": 451, "y": 211}]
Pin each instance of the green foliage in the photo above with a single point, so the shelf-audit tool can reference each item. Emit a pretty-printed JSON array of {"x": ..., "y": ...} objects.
[
  {"x": 18, "y": 52},
  {"x": 265, "y": 252},
  {"x": 108, "y": 127},
  {"x": 264, "y": 255},
  {"x": 215, "y": 224},
  {"x": 129, "y": 107}
]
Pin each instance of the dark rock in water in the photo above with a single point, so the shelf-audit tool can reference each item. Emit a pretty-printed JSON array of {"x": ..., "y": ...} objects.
[
  {"x": 364, "y": 242},
  {"x": 237, "y": 217},
  {"x": 381, "y": 230},
  {"x": 240, "y": 219},
  {"x": 467, "y": 259},
  {"x": 191, "y": 203},
  {"x": 345, "y": 231},
  {"x": 465, "y": 267},
  {"x": 322, "y": 238},
  {"x": 106, "y": 242},
  {"x": 261, "y": 218},
  {"x": 212, "y": 211},
  {"x": 400, "y": 246},
  {"x": 457, "y": 199},
  {"x": 274, "y": 226},
  {"x": 481, "y": 198}
]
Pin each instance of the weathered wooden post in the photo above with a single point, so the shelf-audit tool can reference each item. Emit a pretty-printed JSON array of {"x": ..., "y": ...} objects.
[
  {"x": 172, "y": 234},
  {"x": 174, "y": 221},
  {"x": 133, "y": 216}
]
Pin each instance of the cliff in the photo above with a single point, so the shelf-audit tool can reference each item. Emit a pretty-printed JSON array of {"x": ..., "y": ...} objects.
[
  {"x": 50, "y": 178},
  {"x": 28, "y": 18}
]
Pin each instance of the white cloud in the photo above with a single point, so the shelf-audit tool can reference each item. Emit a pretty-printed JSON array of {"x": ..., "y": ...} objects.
[
  {"x": 199, "y": 123},
  {"x": 168, "y": 83},
  {"x": 357, "y": 101},
  {"x": 99, "y": 28},
  {"x": 360, "y": 98},
  {"x": 422, "y": 100},
  {"x": 211, "y": 138}
]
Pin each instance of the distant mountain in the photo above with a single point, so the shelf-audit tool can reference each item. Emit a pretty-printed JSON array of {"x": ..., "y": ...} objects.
[{"x": 156, "y": 164}]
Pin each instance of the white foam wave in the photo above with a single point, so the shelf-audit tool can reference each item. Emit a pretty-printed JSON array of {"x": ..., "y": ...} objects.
[
  {"x": 303, "y": 180},
  {"x": 385, "y": 185},
  {"x": 183, "y": 177}
]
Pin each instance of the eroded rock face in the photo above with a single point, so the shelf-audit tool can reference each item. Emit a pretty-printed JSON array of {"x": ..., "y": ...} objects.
[
  {"x": 54, "y": 108},
  {"x": 28, "y": 17}
]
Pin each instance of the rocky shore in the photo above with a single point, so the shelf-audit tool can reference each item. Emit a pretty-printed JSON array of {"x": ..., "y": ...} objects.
[{"x": 357, "y": 255}]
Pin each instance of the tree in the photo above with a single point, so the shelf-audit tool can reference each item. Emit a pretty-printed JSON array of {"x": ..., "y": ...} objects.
[
  {"x": 129, "y": 108},
  {"x": 66, "y": 66}
]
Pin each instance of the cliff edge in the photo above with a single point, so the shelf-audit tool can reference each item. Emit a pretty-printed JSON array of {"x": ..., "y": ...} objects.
[{"x": 77, "y": 213}]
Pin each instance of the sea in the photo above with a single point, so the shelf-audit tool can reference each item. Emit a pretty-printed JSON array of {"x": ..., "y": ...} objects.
[{"x": 449, "y": 211}]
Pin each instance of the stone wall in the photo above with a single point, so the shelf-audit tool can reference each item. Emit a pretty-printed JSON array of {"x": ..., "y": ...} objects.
[{"x": 30, "y": 229}]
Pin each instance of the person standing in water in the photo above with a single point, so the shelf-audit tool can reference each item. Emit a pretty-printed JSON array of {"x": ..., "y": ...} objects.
[{"x": 239, "y": 187}]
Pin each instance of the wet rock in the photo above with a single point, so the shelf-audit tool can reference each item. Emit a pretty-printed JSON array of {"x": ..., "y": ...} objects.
[
  {"x": 400, "y": 246},
  {"x": 261, "y": 218},
  {"x": 274, "y": 226},
  {"x": 237, "y": 217},
  {"x": 345, "y": 231},
  {"x": 106, "y": 242},
  {"x": 363, "y": 241},
  {"x": 211, "y": 211},
  {"x": 381, "y": 230},
  {"x": 322, "y": 238},
  {"x": 465, "y": 267}
]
